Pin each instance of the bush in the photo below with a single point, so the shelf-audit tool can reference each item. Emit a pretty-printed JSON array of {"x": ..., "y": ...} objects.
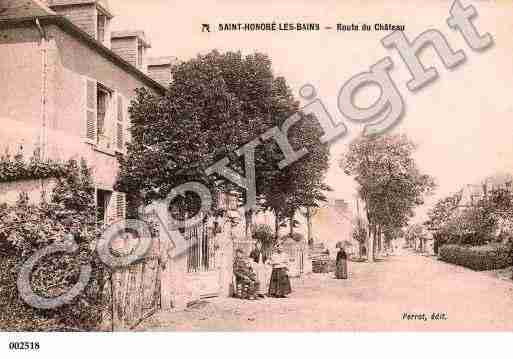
[
  {"x": 25, "y": 229},
  {"x": 480, "y": 258}
]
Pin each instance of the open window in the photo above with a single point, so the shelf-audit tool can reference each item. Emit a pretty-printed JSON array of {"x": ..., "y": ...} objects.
[
  {"x": 106, "y": 117},
  {"x": 103, "y": 202},
  {"x": 104, "y": 100}
]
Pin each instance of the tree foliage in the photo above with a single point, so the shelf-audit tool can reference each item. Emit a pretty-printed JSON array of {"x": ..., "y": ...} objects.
[
  {"x": 390, "y": 183},
  {"x": 215, "y": 104},
  {"x": 474, "y": 224}
]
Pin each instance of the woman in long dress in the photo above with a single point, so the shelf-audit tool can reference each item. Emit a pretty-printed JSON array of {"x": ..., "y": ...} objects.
[
  {"x": 260, "y": 268},
  {"x": 279, "y": 286},
  {"x": 341, "y": 264}
]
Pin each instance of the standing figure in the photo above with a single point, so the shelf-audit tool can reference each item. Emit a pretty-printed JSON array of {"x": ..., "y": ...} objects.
[
  {"x": 260, "y": 268},
  {"x": 341, "y": 264},
  {"x": 280, "y": 283},
  {"x": 245, "y": 277},
  {"x": 258, "y": 254}
]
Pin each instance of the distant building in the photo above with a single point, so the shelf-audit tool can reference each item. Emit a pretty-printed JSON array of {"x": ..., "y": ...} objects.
[
  {"x": 471, "y": 194},
  {"x": 332, "y": 223}
]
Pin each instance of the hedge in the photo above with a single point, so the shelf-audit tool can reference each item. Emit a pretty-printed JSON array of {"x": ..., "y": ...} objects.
[{"x": 479, "y": 258}]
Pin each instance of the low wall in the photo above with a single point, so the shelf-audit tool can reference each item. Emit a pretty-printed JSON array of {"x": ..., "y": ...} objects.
[{"x": 10, "y": 191}]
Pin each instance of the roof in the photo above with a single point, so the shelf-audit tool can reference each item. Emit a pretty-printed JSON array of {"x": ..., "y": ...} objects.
[
  {"x": 103, "y": 5},
  {"x": 74, "y": 30},
  {"x": 131, "y": 33},
  {"x": 23, "y": 8},
  {"x": 162, "y": 61}
]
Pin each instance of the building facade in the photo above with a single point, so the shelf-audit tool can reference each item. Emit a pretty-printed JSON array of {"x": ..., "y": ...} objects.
[{"x": 68, "y": 82}]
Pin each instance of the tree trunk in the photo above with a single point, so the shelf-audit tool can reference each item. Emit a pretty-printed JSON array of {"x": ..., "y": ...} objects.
[
  {"x": 276, "y": 227},
  {"x": 379, "y": 249},
  {"x": 309, "y": 226},
  {"x": 248, "y": 216},
  {"x": 374, "y": 243},
  {"x": 370, "y": 244},
  {"x": 370, "y": 239},
  {"x": 291, "y": 223}
]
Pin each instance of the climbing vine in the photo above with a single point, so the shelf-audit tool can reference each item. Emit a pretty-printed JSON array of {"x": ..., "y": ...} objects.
[
  {"x": 16, "y": 168},
  {"x": 27, "y": 227}
]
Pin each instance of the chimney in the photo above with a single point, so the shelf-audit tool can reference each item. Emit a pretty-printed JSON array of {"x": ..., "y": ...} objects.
[
  {"x": 132, "y": 47},
  {"x": 92, "y": 16},
  {"x": 159, "y": 69}
]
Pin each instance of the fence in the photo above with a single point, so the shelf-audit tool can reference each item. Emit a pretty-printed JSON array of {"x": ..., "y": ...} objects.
[
  {"x": 201, "y": 253},
  {"x": 136, "y": 290}
]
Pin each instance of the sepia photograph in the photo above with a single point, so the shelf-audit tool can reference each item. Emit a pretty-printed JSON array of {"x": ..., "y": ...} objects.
[{"x": 226, "y": 167}]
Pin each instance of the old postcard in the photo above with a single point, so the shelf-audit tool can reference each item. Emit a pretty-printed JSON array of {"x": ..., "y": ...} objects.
[{"x": 178, "y": 166}]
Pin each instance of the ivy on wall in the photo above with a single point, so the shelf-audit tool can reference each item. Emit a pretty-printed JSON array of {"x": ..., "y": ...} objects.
[
  {"x": 16, "y": 168},
  {"x": 26, "y": 228}
]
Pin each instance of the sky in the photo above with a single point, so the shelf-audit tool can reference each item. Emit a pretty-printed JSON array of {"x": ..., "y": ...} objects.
[{"x": 462, "y": 122}]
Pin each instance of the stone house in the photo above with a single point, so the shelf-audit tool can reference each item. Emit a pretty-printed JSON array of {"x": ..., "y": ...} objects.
[{"x": 67, "y": 81}]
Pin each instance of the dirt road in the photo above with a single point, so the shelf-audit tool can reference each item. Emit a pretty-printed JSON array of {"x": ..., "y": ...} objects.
[{"x": 399, "y": 293}]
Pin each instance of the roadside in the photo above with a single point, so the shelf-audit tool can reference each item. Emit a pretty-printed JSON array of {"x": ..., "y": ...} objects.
[{"x": 389, "y": 295}]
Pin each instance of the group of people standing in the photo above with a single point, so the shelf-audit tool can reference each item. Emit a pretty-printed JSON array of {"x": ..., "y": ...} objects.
[
  {"x": 264, "y": 272},
  {"x": 273, "y": 272}
]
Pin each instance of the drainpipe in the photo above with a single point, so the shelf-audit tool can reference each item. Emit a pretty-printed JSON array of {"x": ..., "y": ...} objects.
[{"x": 44, "y": 80}]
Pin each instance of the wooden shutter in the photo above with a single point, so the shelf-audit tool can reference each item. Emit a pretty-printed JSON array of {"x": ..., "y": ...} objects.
[
  {"x": 120, "y": 124},
  {"x": 120, "y": 205},
  {"x": 112, "y": 120},
  {"x": 91, "y": 111}
]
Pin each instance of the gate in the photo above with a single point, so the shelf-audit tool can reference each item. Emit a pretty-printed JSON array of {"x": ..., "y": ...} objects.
[
  {"x": 136, "y": 290},
  {"x": 202, "y": 266}
]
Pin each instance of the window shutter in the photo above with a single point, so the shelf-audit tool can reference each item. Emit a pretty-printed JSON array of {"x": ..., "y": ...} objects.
[
  {"x": 91, "y": 113},
  {"x": 112, "y": 120},
  {"x": 120, "y": 205},
  {"x": 120, "y": 124}
]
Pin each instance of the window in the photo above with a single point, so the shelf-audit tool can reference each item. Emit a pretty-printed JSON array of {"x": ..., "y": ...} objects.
[
  {"x": 102, "y": 24},
  {"x": 140, "y": 52},
  {"x": 105, "y": 115},
  {"x": 102, "y": 206},
  {"x": 103, "y": 99}
]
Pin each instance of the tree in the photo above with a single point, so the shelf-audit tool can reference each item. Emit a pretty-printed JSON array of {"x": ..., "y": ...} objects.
[
  {"x": 440, "y": 216},
  {"x": 474, "y": 224},
  {"x": 390, "y": 183},
  {"x": 415, "y": 236},
  {"x": 359, "y": 234},
  {"x": 301, "y": 184},
  {"x": 215, "y": 104},
  {"x": 442, "y": 211}
]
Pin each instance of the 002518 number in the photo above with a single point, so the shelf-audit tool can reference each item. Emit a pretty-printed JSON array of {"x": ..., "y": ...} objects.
[{"x": 24, "y": 346}]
